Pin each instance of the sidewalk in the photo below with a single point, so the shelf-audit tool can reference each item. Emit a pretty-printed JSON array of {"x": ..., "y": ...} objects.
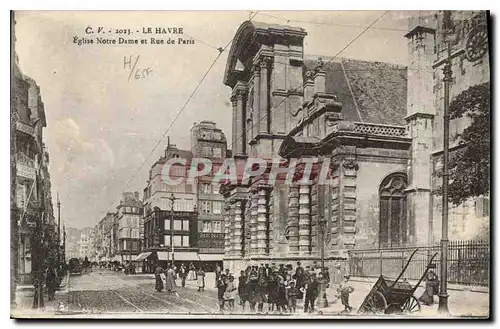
[{"x": 463, "y": 301}]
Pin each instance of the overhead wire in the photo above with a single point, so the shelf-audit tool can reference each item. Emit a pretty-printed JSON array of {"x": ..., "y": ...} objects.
[{"x": 221, "y": 50}]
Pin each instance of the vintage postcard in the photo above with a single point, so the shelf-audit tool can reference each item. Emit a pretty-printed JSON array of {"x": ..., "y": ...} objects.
[{"x": 250, "y": 164}]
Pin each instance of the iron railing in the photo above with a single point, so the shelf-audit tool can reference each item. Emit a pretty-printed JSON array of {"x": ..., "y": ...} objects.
[{"x": 468, "y": 262}]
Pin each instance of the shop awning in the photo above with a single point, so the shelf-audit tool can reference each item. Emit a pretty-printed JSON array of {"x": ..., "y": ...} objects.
[
  {"x": 142, "y": 256},
  {"x": 186, "y": 256},
  {"x": 178, "y": 256},
  {"x": 163, "y": 255},
  {"x": 211, "y": 257},
  {"x": 117, "y": 258}
]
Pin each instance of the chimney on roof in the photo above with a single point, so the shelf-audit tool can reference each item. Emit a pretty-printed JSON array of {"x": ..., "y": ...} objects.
[{"x": 136, "y": 194}]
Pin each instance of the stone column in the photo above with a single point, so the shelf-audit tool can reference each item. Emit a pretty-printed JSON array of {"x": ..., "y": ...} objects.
[
  {"x": 253, "y": 224},
  {"x": 262, "y": 223},
  {"x": 234, "y": 132},
  {"x": 264, "y": 94},
  {"x": 293, "y": 220},
  {"x": 304, "y": 220},
  {"x": 238, "y": 227},
  {"x": 240, "y": 123},
  {"x": 256, "y": 100}
]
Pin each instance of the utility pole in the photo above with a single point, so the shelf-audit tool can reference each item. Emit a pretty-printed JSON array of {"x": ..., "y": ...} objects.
[
  {"x": 172, "y": 200},
  {"x": 443, "y": 294}
]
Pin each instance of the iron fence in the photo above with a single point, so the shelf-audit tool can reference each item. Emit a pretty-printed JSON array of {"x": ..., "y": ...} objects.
[{"x": 468, "y": 262}]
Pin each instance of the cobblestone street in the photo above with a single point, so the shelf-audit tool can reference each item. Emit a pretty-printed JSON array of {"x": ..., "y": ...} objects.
[{"x": 107, "y": 293}]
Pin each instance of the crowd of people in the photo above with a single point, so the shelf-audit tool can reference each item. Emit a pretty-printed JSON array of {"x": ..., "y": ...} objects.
[{"x": 281, "y": 287}]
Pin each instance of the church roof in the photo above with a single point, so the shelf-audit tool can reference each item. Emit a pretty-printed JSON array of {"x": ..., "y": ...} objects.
[{"x": 372, "y": 92}]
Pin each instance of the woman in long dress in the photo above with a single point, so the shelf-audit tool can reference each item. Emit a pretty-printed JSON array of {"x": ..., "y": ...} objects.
[
  {"x": 170, "y": 280},
  {"x": 201, "y": 280},
  {"x": 159, "y": 282},
  {"x": 191, "y": 273},
  {"x": 230, "y": 293}
]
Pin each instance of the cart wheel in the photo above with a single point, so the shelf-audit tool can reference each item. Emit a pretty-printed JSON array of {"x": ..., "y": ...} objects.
[
  {"x": 376, "y": 303},
  {"x": 411, "y": 305}
]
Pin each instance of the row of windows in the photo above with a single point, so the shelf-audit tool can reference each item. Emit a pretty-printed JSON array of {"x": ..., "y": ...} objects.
[
  {"x": 132, "y": 210},
  {"x": 212, "y": 226},
  {"x": 207, "y": 188},
  {"x": 179, "y": 240},
  {"x": 130, "y": 233},
  {"x": 211, "y": 152},
  {"x": 211, "y": 207},
  {"x": 179, "y": 225}
]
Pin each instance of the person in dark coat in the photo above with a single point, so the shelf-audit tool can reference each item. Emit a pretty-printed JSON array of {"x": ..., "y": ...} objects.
[
  {"x": 272, "y": 291},
  {"x": 281, "y": 302},
  {"x": 242, "y": 289},
  {"x": 218, "y": 272},
  {"x": 261, "y": 290},
  {"x": 51, "y": 282},
  {"x": 159, "y": 282},
  {"x": 312, "y": 290},
  {"x": 221, "y": 289},
  {"x": 251, "y": 288},
  {"x": 299, "y": 278},
  {"x": 431, "y": 288}
]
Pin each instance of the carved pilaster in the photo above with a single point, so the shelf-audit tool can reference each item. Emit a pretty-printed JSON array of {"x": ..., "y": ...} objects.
[
  {"x": 350, "y": 171},
  {"x": 262, "y": 221},
  {"x": 253, "y": 223},
  {"x": 264, "y": 94},
  {"x": 293, "y": 220},
  {"x": 227, "y": 238},
  {"x": 304, "y": 220},
  {"x": 238, "y": 227}
]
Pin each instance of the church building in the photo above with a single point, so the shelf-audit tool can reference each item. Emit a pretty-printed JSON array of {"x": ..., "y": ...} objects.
[{"x": 378, "y": 126}]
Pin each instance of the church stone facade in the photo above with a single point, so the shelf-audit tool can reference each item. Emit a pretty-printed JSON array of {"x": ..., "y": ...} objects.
[{"x": 375, "y": 125}]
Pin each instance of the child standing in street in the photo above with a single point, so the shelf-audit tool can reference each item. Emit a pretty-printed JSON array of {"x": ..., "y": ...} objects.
[
  {"x": 293, "y": 294},
  {"x": 345, "y": 290}
]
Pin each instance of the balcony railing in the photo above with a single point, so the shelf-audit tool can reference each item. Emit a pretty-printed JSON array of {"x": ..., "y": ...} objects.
[{"x": 380, "y": 130}]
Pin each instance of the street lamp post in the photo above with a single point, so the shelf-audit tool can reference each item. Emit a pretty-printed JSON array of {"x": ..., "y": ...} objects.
[
  {"x": 172, "y": 200},
  {"x": 443, "y": 294},
  {"x": 322, "y": 225}
]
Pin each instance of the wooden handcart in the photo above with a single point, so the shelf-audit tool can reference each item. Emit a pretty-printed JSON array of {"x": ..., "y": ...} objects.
[{"x": 389, "y": 296}]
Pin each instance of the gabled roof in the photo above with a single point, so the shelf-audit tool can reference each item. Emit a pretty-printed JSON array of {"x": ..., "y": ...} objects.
[{"x": 372, "y": 92}]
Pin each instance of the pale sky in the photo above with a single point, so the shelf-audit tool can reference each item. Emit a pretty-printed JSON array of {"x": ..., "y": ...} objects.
[{"x": 101, "y": 127}]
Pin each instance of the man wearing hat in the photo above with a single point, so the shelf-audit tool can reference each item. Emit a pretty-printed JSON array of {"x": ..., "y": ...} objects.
[{"x": 312, "y": 290}]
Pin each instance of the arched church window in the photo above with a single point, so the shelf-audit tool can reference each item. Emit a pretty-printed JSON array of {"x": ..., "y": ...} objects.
[{"x": 393, "y": 224}]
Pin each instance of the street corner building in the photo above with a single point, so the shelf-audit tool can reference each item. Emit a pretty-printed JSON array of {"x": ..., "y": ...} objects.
[
  {"x": 378, "y": 124},
  {"x": 189, "y": 230}
]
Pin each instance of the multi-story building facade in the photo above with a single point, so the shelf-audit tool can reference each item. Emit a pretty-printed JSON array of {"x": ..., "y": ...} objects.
[
  {"x": 32, "y": 209},
  {"x": 103, "y": 238},
  {"x": 209, "y": 142},
  {"x": 129, "y": 219},
  {"x": 195, "y": 227},
  {"x": 85, "y": 243},
  {"x": 376, "y": 126},
  {"x": 166, "y": 230}
]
